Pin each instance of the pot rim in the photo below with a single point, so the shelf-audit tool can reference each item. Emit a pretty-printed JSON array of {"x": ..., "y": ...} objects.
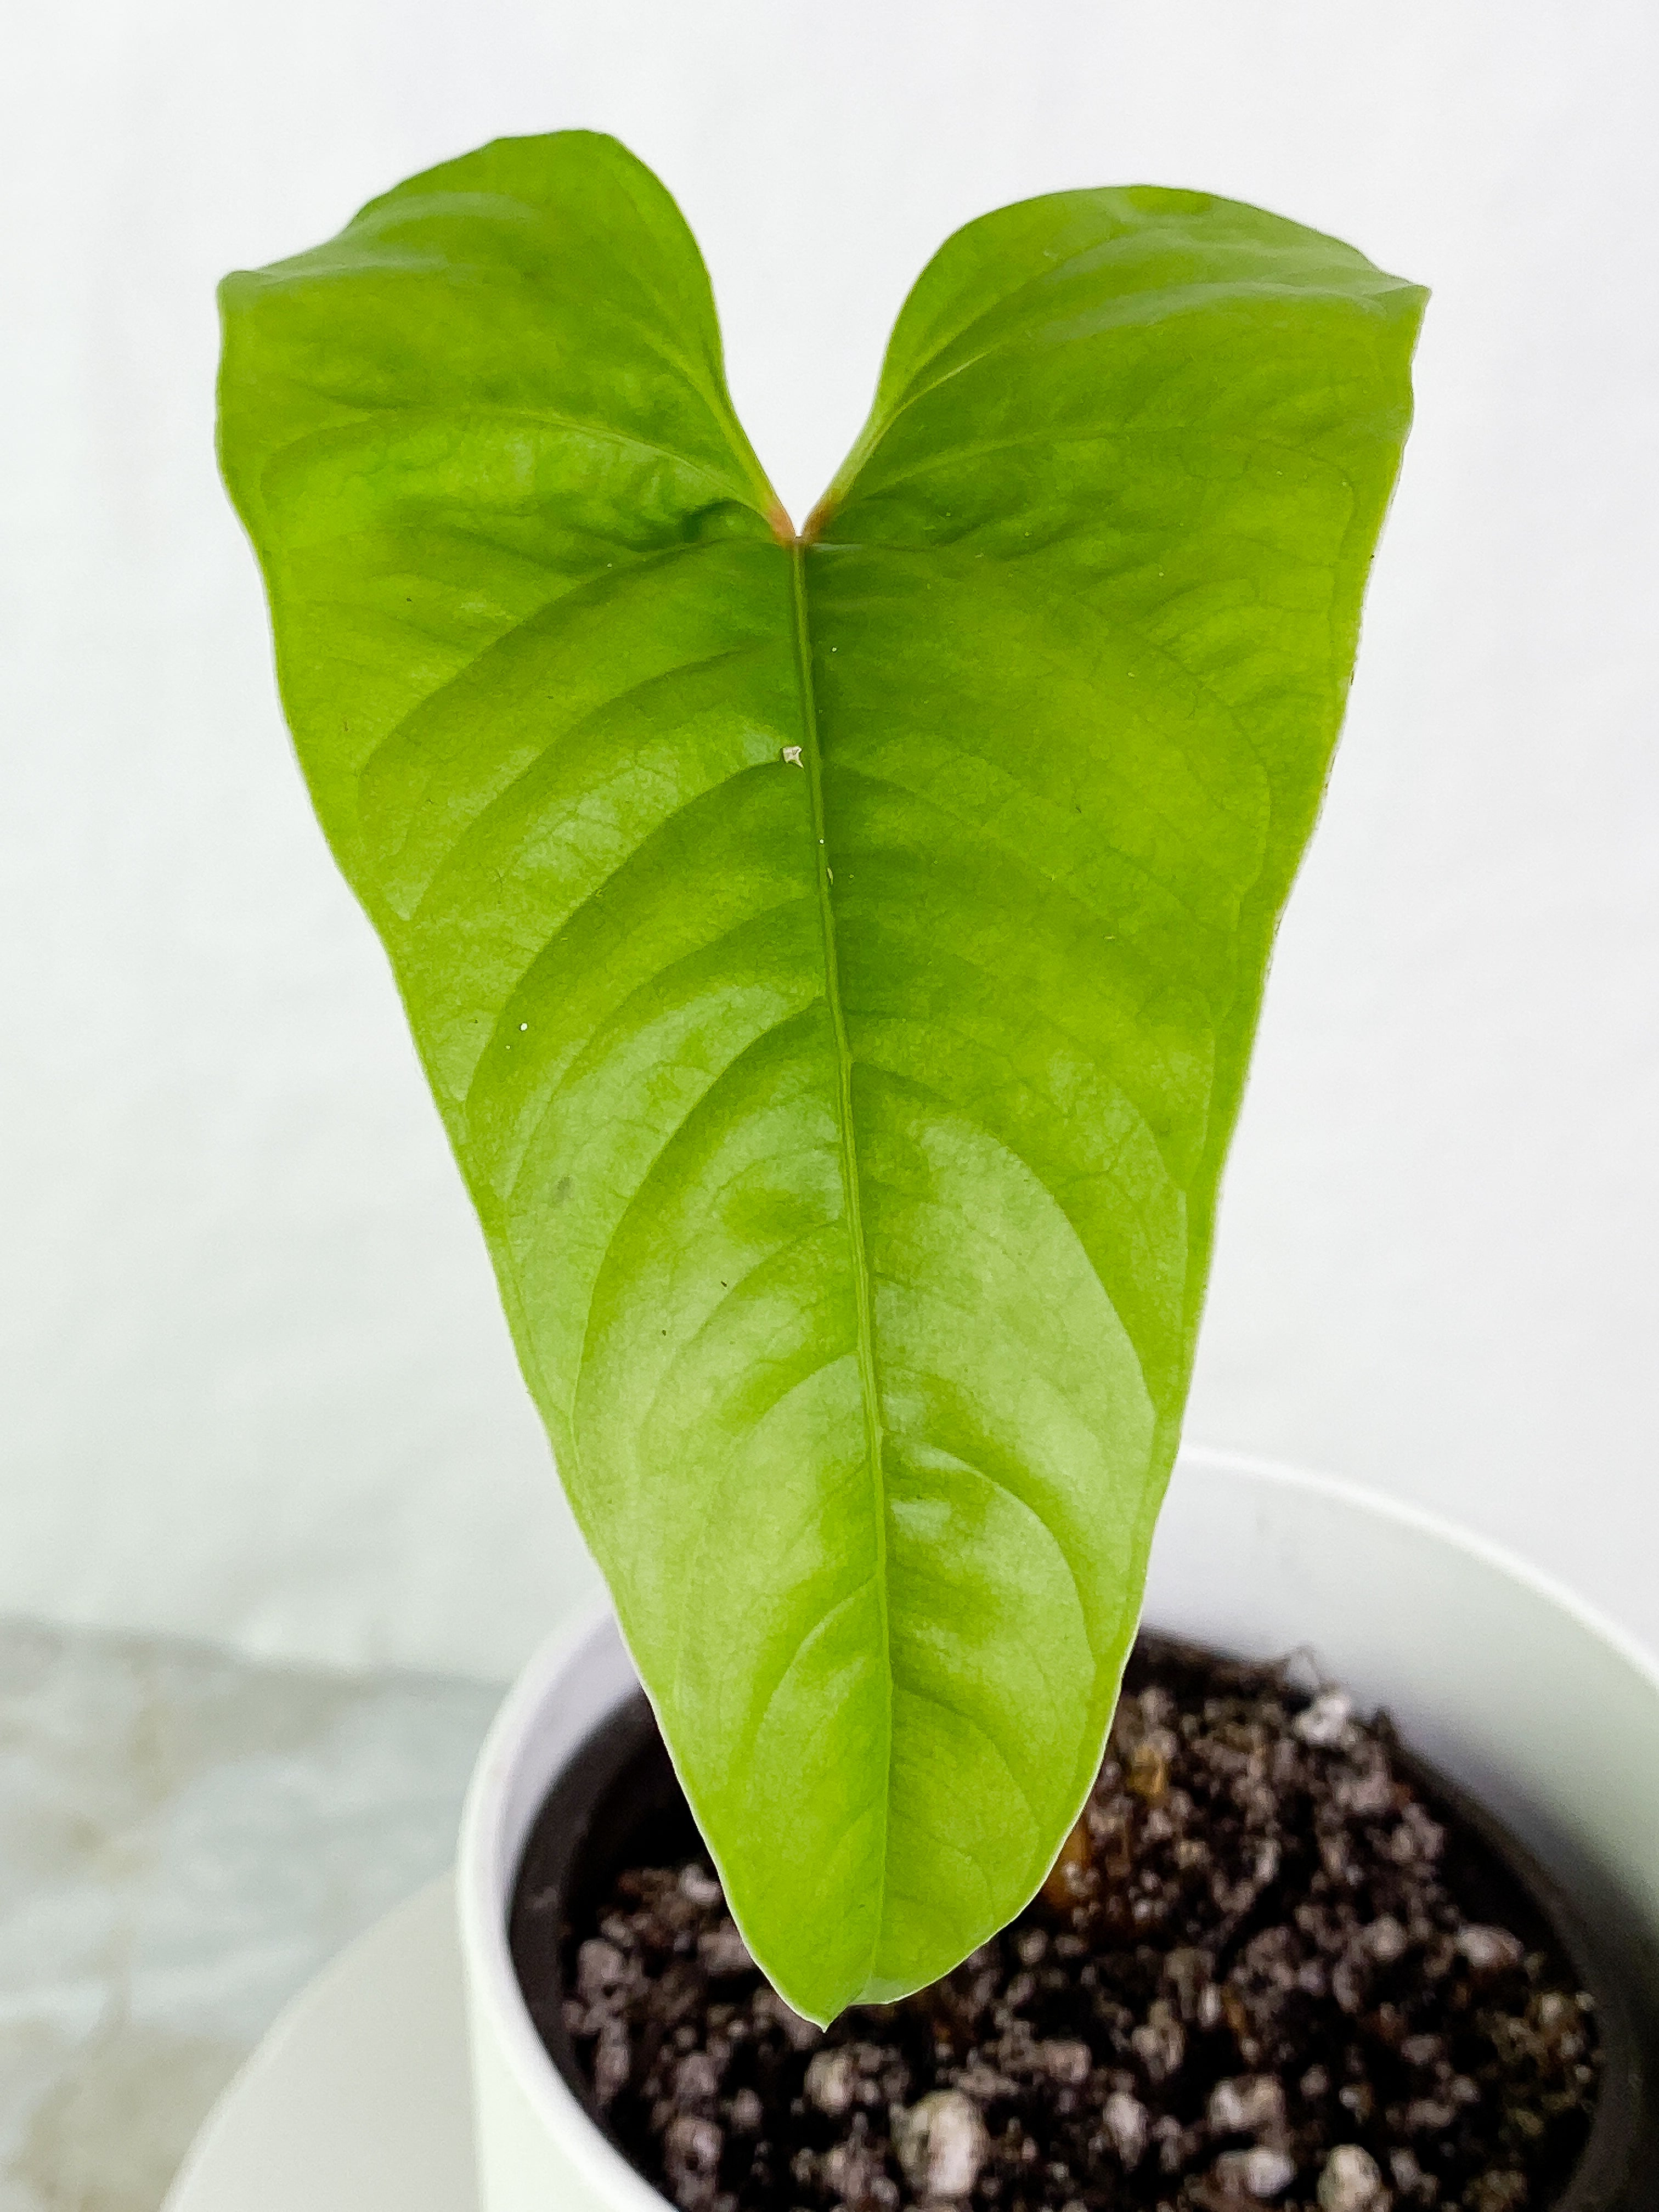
[
  {"x": 483, "y": 1899},
  {"x": 1407, "y": 1514}
]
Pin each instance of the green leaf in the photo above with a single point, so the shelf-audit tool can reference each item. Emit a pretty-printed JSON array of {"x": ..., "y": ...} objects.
[{"x": 836, "y": 960}]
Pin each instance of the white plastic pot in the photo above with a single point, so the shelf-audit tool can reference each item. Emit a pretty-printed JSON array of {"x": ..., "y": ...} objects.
[{"x": 1502, "y": 1679}]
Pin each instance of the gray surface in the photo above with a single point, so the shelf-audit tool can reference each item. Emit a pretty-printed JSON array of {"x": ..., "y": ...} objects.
[{"x": 185, "y": 1838}]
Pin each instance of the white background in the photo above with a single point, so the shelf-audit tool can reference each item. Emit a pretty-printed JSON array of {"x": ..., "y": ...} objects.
[{"x": 253, "y": 1381}]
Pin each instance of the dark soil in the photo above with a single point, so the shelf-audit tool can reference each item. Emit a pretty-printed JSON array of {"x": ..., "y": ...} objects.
[{"x": 1271, "y": 1966}]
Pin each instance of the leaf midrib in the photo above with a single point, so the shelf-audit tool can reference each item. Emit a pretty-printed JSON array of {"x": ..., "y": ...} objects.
[{"x": 848, "y": 1146}]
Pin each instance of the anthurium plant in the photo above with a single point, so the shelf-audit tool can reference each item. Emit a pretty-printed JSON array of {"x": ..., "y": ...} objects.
[{"x": 834, "y": 953}]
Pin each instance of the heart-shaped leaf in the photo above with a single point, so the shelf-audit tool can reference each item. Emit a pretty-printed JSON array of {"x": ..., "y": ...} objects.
[{"x": 835, "y": 958}]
